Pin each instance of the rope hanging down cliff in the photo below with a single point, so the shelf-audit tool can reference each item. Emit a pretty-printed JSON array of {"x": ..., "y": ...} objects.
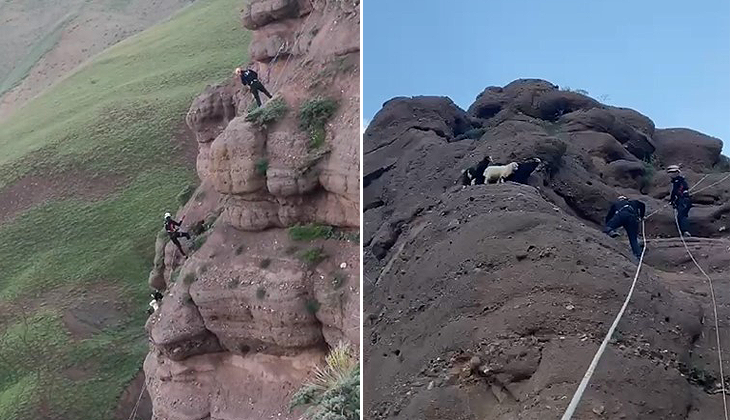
[
  {"x": 714, "y": 309},
  {"x": 294, "y": 45},
  {"x": 133, "y": 414},
  {"x": 592, "y": 367}
]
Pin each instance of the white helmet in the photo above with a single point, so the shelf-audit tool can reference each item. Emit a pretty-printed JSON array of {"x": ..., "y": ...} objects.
[
  {"x": 673, "y": 169},
  {"x": 167, "y": 215}
]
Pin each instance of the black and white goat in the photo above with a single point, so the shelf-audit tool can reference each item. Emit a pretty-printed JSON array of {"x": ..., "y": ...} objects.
[
  {"x": 474, "y": 175},
  {"x": 155, "y": 303},
  {"x": 482, "y": 173}
]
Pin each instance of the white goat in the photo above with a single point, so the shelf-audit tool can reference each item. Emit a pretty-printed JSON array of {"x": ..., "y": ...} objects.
[{"x": 499, "y": 173}]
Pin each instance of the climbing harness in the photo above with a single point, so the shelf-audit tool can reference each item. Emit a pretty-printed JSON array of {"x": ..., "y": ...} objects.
[
  {"x": 714, "y": 309},
  {"x": 690, "y": 190},
  {"x": 627, "y": 206},
  {"x": 592, "y": 367}
]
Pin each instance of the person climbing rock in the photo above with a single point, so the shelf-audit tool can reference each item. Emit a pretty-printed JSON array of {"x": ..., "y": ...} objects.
[
  {"x": 173, "y": 231},
  {"x": 251, "y": 79},
  {"x": 680, "y": 198},
  {"x": 626, "y": 213},
  {"x": 155, "y": 302}
]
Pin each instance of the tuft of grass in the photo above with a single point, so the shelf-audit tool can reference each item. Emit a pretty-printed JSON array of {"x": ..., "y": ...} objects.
[
  {"x": 312, "y": 305},
  {"x": 317, "y": 138},
  {"x": 580, "y": 91},
  {"x": 265, "y": 263},
  {"x": 310, "y": 232},
  {"x": 239, "y": 250},
  {"x": 262, "y": 165},
  {"x": 267, "y": 114},
  {"x": 187, "y": 299},
  {"x": 313, "y": 256},
  {"x": 233, "y": 283},
  {"x": 261, "y": 293},
  {"x": 175, "y": 274},
  {"x": 210, "y": 220},
  {"x": 647, "y": 176},
  {"x": 334, "y": 392},
  {"x": 189, "y": 278},
  {"x": 346, "y": 236},
  {"x": 197, "y": 228},
  {"x": 198, "y": 242},
  {"x": 313, "y": 117},
  {"x": 184, "y": 196}
]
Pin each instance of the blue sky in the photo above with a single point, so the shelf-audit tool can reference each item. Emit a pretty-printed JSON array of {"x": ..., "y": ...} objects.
[{"x": 668, "y": 59}]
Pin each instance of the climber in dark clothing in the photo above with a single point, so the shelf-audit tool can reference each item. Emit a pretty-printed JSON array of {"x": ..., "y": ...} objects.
[
  {"x": 251, "y": 79},
  {"x": 626, "y": 213},
  {"x": 680, "y": 198},
  {"x": 173, "y": 231}
]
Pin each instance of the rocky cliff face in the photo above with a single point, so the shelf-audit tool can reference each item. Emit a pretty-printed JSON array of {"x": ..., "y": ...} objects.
[
  {"x": 489, "y": 302},
  {"x": 248, "y": 316}
]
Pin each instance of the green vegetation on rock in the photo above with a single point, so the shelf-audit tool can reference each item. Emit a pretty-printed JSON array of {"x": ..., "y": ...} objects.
[{"x": 334, "y": 392}]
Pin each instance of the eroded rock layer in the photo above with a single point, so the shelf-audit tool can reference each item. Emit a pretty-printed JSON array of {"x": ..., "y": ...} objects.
[{"x": 252, "y": 311}]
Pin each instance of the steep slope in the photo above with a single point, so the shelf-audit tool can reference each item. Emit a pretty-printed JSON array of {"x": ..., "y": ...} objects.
[
  {"x": 41, "y": 42},
  {"x": 88, "y": 168},
  {"x": 273, "y": 280},
  {"x": 489, "y": 302}
]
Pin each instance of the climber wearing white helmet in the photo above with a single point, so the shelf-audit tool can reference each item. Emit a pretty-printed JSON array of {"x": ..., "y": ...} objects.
[
  {"x": 251, "y": 79},
  {"x": 680, "y": 198},
  {"x": 173, "y": 231}
]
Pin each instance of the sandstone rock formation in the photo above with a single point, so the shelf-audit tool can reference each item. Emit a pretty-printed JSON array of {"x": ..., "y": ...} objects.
[
  {"x": 249, "y": 315},
  {"x": 489, "y": 302}
]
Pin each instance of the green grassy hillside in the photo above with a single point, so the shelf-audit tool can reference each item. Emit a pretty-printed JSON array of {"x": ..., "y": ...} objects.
[{"x": 112, "y": 119}]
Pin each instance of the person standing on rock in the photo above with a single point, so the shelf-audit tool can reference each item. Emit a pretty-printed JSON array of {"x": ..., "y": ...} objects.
[
  {"x": 626, "y": 213},
  {"x": 173, "y": 231},
  {"x": 251, "y": 79},
  {"x": 680, "y": 198}
]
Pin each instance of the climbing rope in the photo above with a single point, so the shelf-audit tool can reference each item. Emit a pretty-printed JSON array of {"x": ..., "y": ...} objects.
[
  {"x": 714, "y": 183},
  {"x": 699, "y": 182},
  {"x": 691, "y": 190},
  {"x": 724, "y": 241},
  {"x": 273, "y": 60},
  {"x": 133, "y": 414},
  {"x": 714, "y": 309},
  {"x": 592, "y": 367},
  {"x": 291, "y": 52}
]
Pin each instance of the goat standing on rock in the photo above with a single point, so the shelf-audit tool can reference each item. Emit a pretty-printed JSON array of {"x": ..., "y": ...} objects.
[
  {"x": 498, "y": 174},
  {"x": 482, "y": 173},
  {"x": 474, "y": 175}
]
